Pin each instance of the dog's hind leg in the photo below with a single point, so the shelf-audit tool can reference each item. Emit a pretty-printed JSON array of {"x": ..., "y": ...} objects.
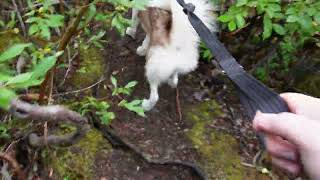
[
  {"x": 148, "y": 104},
  {"x": 142, "y": 50},
  {"x": 173, "y": 80},
  {"x": 131, "y": 31}
]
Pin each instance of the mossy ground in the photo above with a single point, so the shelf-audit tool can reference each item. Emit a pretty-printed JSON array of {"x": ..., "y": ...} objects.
[
  {"x": 91, "y": 68},
  {"x": 219, "y": 151},
  {"x": 77, "y": 162},
  {"x": 8, "y": 39}
]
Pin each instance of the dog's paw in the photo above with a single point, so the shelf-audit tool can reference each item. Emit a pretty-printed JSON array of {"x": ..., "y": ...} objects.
[
  {"x": 142, "y": 51},
  {"x": 173, "y": 82},
  {"x": 146, "y": 105},
  {"x": 131, "y": 32}
]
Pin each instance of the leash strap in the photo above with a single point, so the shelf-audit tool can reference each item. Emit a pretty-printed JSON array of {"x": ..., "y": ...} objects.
[{"x": 253, "y": 94}]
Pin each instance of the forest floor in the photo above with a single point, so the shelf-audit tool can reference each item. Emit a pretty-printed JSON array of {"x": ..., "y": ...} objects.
[
  {"x": 214, "y": 132},
  {"x": 214, "y": 136}
]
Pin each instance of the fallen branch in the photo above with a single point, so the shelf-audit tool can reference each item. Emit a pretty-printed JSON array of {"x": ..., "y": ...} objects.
[
  {"x": 55, "y": 114},
  {"x": 14, "y": 164}
]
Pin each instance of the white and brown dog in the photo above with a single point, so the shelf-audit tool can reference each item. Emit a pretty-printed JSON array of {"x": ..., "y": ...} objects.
[{"x": 171, "y": 44}]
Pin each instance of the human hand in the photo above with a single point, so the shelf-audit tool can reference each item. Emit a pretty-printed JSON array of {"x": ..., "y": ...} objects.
[{"x": 293, "y": 139}]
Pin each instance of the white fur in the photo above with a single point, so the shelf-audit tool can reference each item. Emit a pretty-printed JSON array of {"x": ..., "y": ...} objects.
[{"x": 180, "y": 57}]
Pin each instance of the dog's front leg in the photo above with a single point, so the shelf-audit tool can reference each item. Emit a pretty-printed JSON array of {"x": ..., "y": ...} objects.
[
  {"x": 131, "y": 31},
  {"x": 148, "y": 104},
  {"x": 142, "y": 50}
]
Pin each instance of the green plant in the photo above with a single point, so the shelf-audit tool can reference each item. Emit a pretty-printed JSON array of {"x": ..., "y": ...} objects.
[
  {"x": 4, "y": 131},
  {"x": 127, "y": 89},
  {"x": 44, "y": 23},
  {"x": 205, "y": 53},
  {"x": 293, "y": 23},
  {"x": 43, "y": 19},
  {"x": 10, "y": 81},
  {"x": 100, "y": 108},
  {"x": 134, "y": 106}
]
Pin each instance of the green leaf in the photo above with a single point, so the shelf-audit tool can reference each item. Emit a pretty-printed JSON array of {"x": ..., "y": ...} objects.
[
  {"x": 232, "y": 26},
  {"x": 4, "y": 76},
  {"x": 274, "y": 7},
  {"x": 6, "y": 96},
  {"x": 114, "y": 81},
  {"x": 55, "y": 20},
  {"x": 279, "y": 29},
  {"x": 317, "y": 18},
  {"x": 131, "y": 84},
  {"x": 19, "y": 79},
  {"x": 292, "y": 18},
  {"x": 106, "y": 117},
  {"x": 240, "y": 21},
  {"x": 45, "y": 32},
  {"x": 33, "y": 29},
  {"x": 225, "y": 18},
  {"x": 136, "y": 102},
  {"x": 33, "y": 19},
  {"x": 306, "y": 23},
  {"x": 43, "y": 67},
  {"x": 242, "y": 2},
  {"x": 2, "y": 24},
  {"x": 134, "y": 106},
  {"x": 13, "y": 52},
  {"x": 267, "y": 27},
  {"x": 91, "y": 13}
]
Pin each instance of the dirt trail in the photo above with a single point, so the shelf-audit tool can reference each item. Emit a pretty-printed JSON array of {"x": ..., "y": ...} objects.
[{"x": 213, "y": 134}]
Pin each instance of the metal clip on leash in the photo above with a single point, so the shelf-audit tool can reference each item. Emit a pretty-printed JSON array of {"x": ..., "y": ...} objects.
[{"x": 253, "y": 94}]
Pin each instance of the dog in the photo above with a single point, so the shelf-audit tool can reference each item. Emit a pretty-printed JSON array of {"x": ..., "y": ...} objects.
[{"x": 171, "y": 44}]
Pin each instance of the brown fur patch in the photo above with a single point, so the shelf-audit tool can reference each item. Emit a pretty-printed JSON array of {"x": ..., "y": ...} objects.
[{"x": 157, "y": 24}]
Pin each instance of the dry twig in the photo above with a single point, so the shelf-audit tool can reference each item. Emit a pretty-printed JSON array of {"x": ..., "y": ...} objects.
[
  {"x": 70, "y": 32},
  {"x": 178, "y": 104}
]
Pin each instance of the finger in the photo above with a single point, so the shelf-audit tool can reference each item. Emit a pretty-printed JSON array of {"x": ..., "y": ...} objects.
[
  {"x": 289, "y": 166},
  {"x": 294, "y": 128},
  {"x": 280, "y": 148},
  {"x": 302, "y": 104}
]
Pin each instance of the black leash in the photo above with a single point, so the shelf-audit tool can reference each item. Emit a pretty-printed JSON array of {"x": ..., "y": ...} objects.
[{"x": 253, "y": 94}]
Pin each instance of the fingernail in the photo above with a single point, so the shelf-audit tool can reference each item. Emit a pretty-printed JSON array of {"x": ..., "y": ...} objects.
[{"x": 258, "y": 113}]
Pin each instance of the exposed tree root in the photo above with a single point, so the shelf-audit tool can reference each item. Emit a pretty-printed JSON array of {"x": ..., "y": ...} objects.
[
  {"x": 117, "y": 142},
  {"x": 54, "y": 114},
  {"x": 178, "y": 104}
]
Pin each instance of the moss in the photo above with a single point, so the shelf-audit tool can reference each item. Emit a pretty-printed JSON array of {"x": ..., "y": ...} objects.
[
  {"x": 8, "y": 39},
  {"x": 91, "y": 68},
  {"x": 77, "y": 162},
  {"x": 218, "y": 151},
  {"x": 310, "y": 85}
]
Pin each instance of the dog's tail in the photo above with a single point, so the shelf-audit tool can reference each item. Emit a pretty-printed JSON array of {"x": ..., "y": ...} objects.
[
  {"x": 184, "y": 40},
  {"x": 181, "y": 27}
]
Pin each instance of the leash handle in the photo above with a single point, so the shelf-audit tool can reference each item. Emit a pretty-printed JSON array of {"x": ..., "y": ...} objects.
[{"x": 254, "y": 95}]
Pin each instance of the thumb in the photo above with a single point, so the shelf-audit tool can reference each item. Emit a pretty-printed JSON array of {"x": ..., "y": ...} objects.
[{"x": 294, "y": 128}]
